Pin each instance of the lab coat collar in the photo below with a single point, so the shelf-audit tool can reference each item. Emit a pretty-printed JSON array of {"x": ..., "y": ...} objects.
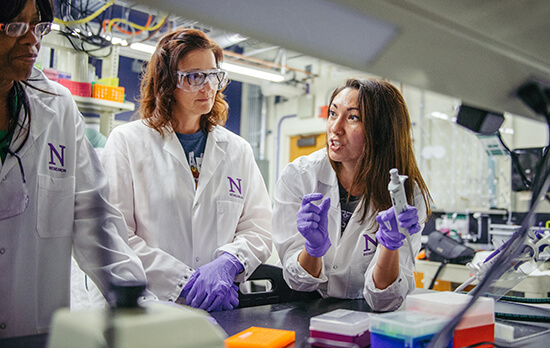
[
  {"x": 41, "y": 116},
  {"x": 173, "y": 146},
  {"x": 327, "y": 175}
]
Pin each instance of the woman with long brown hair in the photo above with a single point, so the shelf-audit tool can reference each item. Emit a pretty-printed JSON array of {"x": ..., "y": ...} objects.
[
  {"x": 348, "y": 245},
  {"x": 194, "y": 200}
]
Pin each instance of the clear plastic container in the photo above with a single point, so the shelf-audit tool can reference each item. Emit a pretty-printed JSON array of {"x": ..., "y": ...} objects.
[
  {"x": 342, "y": 325},
  {"x": 405, "y": 328},
  {"x": 448, "y": 304}
]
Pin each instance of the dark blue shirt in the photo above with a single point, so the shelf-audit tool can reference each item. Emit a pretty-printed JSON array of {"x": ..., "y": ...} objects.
[{"x": 193, "y": 146}]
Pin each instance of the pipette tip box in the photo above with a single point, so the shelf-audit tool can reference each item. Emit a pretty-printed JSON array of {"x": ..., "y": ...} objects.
[
  {"x": 260, "y": 337},
  {"x": 342, "y": 325},
  {"x": 405, "y": 329},
  {"x": 477, "y": 324}
]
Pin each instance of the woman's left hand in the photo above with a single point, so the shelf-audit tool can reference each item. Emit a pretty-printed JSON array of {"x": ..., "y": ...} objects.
[{"x": 211, "y": 287}]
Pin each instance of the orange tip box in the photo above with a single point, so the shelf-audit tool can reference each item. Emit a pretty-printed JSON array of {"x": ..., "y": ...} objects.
[
  {"x": 260, "y": 337},
  {"x": 112, "y": 93}
]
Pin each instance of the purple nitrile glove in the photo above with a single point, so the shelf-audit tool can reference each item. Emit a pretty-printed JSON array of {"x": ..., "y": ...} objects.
[
  {"x": 312, "y": 221},
  {"x": 211, "y": 287},
  {"x": 388, "y": 233}
]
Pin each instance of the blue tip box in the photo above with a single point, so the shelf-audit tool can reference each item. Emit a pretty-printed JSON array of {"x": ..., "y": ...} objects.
[{"x": 405, "y": 329}]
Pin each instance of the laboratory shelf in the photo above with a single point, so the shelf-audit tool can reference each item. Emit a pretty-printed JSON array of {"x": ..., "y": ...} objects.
[{"x": 106, "y": 109}]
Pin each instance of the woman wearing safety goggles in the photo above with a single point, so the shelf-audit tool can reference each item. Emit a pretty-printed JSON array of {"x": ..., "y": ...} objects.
[{"x": 192, "y": 195}]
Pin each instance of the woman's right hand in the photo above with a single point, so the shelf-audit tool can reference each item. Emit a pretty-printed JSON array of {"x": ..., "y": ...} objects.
[{"x": 312, "y": 222}]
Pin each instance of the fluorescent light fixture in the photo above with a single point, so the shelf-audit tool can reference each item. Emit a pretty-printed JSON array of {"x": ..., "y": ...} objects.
[
  {"x": 233, "y": 68},
  {"x": 259, "y": 74},
  {"x": 143, "y": 47},
  {"x": 506, "y": 130},
  {"x": 440, "y": 115},
  {"x": 118, "y": 41}
]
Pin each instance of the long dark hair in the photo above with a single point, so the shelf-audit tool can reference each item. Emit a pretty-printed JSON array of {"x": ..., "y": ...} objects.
[
  {"x": 160, "y": 79},
  {"x": 17, "y": 97},
  {"x": 388, "y": 144}
]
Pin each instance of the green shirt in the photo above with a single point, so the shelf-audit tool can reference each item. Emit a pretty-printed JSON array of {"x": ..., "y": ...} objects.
[{"x": 4, "y": 143}]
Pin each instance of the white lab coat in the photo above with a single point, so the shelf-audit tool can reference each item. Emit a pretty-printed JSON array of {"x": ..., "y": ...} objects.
[
  {"x": 68, "y": 211},
  {"x": 348, "y": 264},
  {"x": 175, "y": 229}
]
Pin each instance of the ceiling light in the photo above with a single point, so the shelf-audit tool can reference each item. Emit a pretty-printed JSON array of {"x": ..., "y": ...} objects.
[
  {"x": 506, "y": 130},
  {"x": 259, "y": 74},
  {"x": 440, "y": 115},
  {"x": 143, "y": 47},
  {"x": 117, "y": 41},
  {"x": 230, "y": 67}
]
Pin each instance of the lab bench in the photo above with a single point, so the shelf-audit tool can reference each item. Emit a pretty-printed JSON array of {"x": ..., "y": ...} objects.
[
  {"x": 533, "y": 286},
  {"x": 296, "y": 316},
  {"x": 292, "y": 316}
]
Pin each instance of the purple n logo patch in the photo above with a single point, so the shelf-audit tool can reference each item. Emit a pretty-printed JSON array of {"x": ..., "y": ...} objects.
[
  {"x": 235, "y": 187},
  {"x": 368, "y": 243},
  {"x": 53, "y": 152}
]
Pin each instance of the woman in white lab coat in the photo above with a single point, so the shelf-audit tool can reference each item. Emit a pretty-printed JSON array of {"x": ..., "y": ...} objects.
[
  {"x": 348, "y": 246},
  {"x": 194, "y": 200},
  {"x": 53, "y": 192}
]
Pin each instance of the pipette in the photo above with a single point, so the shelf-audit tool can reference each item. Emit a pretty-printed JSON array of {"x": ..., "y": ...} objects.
[
  {"x": 536, "y": 243},
  {"x": 399, "y": 201}
]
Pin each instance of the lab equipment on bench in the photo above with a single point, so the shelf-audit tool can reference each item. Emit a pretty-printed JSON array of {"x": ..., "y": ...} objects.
[
  {"x": 129, "y": 325},
  {"x": 399, "y": 202},
  {"x": 536, "y": 250},
  {"x": 341, "y": 325},
  {"x": 156, "y": 325},
  {"x": 441, "y": 248}
]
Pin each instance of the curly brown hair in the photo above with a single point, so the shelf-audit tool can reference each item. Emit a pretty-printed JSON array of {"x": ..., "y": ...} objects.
[
  {"x": 388, "y": 144},
  {"x": 160, "y": 80}
]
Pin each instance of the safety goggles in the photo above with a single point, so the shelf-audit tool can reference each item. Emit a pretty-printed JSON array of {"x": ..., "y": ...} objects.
[
  {"x": 17, "y": 29},
  {"x": 14, "y": 199},
  {"x": 195, "y": 80}
]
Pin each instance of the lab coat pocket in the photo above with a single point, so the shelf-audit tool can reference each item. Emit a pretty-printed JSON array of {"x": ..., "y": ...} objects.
[
  {"x": 227, "y": 219},
  {"x": 55, "y": 206}
]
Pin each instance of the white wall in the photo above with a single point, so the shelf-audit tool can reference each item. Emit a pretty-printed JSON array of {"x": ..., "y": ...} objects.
[{"x": 283, "y": 126}]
